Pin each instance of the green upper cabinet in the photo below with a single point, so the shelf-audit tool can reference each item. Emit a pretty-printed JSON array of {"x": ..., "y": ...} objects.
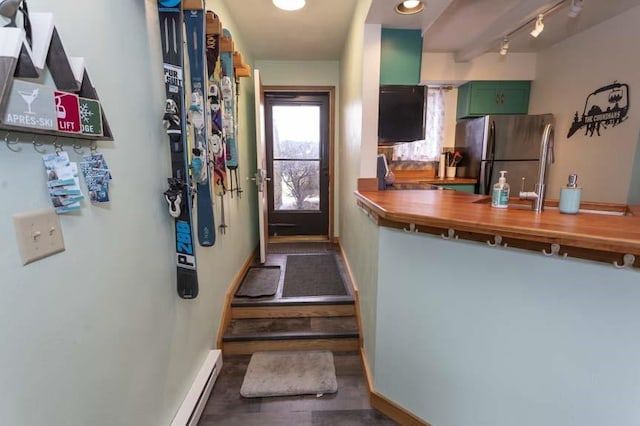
[
  {"x": 478, "y": 98},
  {"x": 400, "y": 56}
]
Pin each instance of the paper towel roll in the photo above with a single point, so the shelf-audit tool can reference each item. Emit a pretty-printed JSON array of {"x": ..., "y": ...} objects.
[{"x": 442, "y": 166}]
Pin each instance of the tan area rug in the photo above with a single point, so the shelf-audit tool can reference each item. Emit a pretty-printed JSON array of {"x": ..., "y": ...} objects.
[{"x": 281, "y": 373}]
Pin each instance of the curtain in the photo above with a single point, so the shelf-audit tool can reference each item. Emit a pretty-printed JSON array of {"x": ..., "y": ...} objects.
[{"x": 430, "y": 147}]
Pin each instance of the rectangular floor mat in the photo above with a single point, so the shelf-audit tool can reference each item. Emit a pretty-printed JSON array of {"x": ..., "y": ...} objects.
[
  {"x": 312, "y": 275},
  {"x": 260, "y": 281},
  {"x": 281, "y": 373}
]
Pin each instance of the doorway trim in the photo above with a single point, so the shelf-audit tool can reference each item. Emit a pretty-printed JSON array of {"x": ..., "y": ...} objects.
[{"x": 331, "y": 92}]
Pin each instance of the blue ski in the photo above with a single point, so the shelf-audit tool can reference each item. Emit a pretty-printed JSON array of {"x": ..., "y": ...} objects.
[{"x": 195, "y": 30}]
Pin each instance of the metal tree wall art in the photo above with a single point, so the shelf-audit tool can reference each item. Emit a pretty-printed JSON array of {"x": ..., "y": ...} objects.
[{"x": 604, "y": 107}]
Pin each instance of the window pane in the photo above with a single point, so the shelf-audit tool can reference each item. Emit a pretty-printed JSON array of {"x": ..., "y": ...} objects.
[
  {"x": 296, "y": 185},
  {"x": 296, "y": 131}
]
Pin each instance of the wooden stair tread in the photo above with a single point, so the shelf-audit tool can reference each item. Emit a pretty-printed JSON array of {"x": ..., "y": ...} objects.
[
  {"x": 291, "y": 328},
  {"x": 294, "y": 301}
]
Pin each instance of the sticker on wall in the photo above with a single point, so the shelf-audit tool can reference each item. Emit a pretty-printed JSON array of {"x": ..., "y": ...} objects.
[{"x": 605, "y": 107}]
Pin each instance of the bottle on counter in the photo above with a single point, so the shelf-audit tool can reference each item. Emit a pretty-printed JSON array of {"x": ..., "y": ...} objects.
[
  {"x": 442, "y": 165},
  {"x": 570, "y": 196},
  {"x": 500, "y": 194}
]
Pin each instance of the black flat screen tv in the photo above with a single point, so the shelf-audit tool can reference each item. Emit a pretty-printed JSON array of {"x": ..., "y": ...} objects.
[{"x": 401, "y": 114}]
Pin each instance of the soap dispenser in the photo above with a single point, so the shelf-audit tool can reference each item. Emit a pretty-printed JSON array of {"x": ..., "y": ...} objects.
[
  {"x": 570, "y": 196},
  {"x": 500, "y": 194}
]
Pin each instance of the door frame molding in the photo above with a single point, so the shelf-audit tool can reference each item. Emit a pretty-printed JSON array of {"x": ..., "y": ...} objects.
[{"x": 331, "y": 91}]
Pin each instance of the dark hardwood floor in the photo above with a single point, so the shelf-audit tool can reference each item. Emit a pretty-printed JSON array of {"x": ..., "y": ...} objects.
[{"x": 348, "y": 407}]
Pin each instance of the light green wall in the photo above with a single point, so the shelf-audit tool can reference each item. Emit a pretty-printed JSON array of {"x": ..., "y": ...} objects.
[
  {"x": 97, "y": 334},
  {"x": 299, "y": 73},
  {"x": 358, "y": 235},
  {"x": 481, "y": 336}
]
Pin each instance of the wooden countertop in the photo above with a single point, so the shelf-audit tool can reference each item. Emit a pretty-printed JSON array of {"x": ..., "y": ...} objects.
[{"x": 452, "y": 214}]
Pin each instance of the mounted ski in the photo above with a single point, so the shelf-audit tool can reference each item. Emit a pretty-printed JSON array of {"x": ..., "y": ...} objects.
[
  {"x": 229, "y": 117},
  {"x": 179, "y": 193},
  {"x": 194, "y": 17},
  {"x": 215, "y": 102}
]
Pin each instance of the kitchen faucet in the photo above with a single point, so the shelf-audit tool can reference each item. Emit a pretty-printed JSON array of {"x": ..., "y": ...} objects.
[{"x": 539, "y": 191}]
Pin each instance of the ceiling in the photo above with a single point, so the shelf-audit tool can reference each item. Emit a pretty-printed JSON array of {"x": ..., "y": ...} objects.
[{"x": 467, "y": 28}]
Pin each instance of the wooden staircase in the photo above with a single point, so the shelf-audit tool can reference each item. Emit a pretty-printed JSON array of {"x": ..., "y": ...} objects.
[{"x": 326, "y": 322}]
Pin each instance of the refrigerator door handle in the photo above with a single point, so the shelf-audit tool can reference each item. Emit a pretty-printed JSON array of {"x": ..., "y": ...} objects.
[{"x": 488, "y": 171}]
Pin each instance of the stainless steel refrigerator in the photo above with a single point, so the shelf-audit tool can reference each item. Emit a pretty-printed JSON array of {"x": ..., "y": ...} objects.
[{"x": 493, "y": 143}]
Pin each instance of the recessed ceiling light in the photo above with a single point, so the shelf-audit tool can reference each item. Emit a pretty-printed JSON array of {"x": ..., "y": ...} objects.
[
  {"x": 409, "y": 7},
  {"x": 289, "y": 4}
]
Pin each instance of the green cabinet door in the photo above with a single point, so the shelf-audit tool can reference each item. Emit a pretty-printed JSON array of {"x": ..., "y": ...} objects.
[
  {"x": 400, "y": 56},
  {"x": 459, "y": 187},
  {"x": 479, "y": 98}
]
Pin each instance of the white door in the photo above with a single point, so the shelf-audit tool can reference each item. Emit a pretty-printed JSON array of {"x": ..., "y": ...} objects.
[{"x": 261, "y": 172}]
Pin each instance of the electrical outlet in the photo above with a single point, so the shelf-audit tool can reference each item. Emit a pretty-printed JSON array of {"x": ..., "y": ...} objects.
[{"x": 39, "y": 234}]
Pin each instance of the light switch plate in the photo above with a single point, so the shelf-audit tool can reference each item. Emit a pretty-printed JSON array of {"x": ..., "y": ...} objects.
[{"x": 38, "y": 234}]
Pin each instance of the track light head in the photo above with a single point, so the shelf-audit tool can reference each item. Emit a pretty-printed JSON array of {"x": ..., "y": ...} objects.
[
  {"x": 504, "y": 47},
  {"x": 575, "y": 8},
  {"x": 539, "y": 26}
]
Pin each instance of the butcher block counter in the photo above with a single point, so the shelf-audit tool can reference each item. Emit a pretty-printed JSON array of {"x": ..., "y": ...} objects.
[{"x": 600, "y": 232}]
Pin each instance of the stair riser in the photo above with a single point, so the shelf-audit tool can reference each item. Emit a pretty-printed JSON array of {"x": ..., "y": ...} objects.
[
  {"x": 248, "y": 348},
  {"x": 293, "y": 311}
]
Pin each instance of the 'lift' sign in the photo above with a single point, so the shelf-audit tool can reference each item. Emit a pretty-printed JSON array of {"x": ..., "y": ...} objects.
[{"x": 68, "y": 112}]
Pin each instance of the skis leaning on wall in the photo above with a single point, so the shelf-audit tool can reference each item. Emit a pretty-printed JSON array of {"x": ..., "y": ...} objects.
[
  {"x": 179, "y": 193},
  {"x": 194, "y": 17}
]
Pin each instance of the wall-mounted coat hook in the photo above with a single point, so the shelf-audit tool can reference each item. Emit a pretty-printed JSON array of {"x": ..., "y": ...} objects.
[
  {"x": 627, "y": 261},
  {"x": 451, "y": 235},
  {"x": 10, "y": 144},
  {"x": 79, "y": 149},
  {"x": 57, "y": 146},
  {"x": 37, "y": 145},
  {"x": 93, "y": 147}
]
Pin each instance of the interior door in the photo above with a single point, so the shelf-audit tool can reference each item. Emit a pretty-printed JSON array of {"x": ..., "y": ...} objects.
[{"x": 261, "y": 170}]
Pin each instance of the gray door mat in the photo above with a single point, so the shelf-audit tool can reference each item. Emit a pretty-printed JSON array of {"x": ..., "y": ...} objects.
[
  {"x": 282, "y": 373},
  {"x": 260, "y": 281},
  {"x": 312, "y": 275}
]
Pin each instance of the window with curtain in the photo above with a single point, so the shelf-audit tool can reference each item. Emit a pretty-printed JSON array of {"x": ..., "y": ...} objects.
[{"x": 430, "y": 147}]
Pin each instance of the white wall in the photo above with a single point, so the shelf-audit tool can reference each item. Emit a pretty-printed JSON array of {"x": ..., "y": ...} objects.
[
  {"x": 97, "y": 334},
  {"x": 566, "y": 74},
  {"x": 472, "y": 335},
  {"x": 441, "y": 68}
]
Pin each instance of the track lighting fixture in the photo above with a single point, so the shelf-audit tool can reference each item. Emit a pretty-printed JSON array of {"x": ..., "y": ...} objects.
[
  {"x": 576, "y": 8},
  {"x": 504, "y": 48},
  {"x": 409, "y": 7},
  {"x": 538, "y": 27}
]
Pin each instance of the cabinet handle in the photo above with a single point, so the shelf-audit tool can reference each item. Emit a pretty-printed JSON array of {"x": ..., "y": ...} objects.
[
  {"x": 502, "y": 98},
  {"x": 497, "y": 98}
]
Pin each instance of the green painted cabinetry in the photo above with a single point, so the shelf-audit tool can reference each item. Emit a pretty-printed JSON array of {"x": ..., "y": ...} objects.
[
  {"x": 478, "y": 98},
  {"x": 400, "y": 56},
  {"x": 459, "y": 187}
]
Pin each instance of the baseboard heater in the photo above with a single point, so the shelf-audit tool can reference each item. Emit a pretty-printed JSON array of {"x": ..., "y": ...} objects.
[{"x": 193, "y": 404}]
